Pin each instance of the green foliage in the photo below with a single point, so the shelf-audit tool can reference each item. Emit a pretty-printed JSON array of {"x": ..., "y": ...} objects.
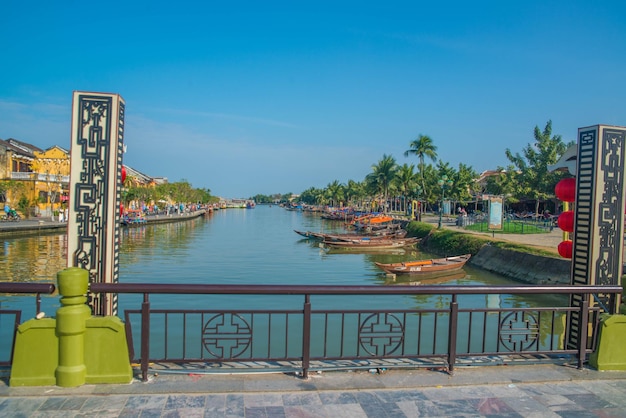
[
  {"x": 530, "y": 177},
  {"x": 382, "y": 175},
  {"x": 463, "y": 183},
  {"x": 422, "y": 147},
  {"x": 418, "y": 229},
  {"x": 510, "y": 227},
  {"x": 23, "y": 205},
  {"x": 335, "y": 193},
  {"x": 447, "y": 242},
  {"x": 181, "y": 191},
  {"x": 15, "y": 188},
  {"x": 261, "y": 198}
]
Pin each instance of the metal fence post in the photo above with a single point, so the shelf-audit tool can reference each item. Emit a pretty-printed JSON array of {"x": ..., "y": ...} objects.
[
  {"x": 306, "y": 336},
  {"x": 145, "y": 336},
  {"x": 583, "y": 332},
  {"x": 452, "y": 333}
]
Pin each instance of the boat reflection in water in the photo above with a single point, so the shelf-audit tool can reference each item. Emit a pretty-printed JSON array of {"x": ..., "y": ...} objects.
[{"x": 407, "y": 280}]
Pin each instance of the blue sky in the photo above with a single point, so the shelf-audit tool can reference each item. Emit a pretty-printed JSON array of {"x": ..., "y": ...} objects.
[{"x": 275, "y": 97}]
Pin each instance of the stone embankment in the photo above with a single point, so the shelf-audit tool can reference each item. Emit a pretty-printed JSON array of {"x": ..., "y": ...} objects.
[
  {"x": 523, "y": 267},
  {"x": 41, "y": 226}
]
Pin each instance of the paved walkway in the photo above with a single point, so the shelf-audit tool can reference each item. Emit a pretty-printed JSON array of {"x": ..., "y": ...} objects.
[
  {"x": 46, "y": 225},
  {"x": 485, "y": 391}
]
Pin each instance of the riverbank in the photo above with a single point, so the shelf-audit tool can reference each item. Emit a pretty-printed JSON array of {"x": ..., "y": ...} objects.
[
  {"x": 42, "y": 226},
  {"x": 547, "y": 268}
]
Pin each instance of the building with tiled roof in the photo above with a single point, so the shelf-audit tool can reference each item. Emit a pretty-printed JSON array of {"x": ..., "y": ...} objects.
[{"x": 36, "y": 181}]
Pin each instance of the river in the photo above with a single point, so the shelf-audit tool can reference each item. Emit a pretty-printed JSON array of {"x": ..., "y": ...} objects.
[{"x": 233, "y": 246}]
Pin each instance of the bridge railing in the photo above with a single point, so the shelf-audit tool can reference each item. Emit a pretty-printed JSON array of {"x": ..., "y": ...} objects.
[
  {"x": 309, "y": 336},
  {"x": 10, "y": 319}
]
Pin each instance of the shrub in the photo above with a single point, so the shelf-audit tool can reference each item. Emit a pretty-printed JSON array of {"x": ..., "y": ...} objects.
[
  {"x": 418, "y": 229},
  {"x": 447, "y": 242}
]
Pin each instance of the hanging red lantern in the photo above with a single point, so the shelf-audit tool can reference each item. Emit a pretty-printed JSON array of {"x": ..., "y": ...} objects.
[
  {"x": 565, "y": 249},
  {"x": 123, "y": 174},
  {"x": 566, "y": 221},
  {"x": 565, "y": 189}
]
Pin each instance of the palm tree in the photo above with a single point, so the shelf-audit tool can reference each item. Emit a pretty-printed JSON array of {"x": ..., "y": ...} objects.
[
  {"x": 422, "y": 147},
  {"x": 354, "y": 191},
  {"x": 335, "y": 192},
  {"x": 405, "y": 181},
  {"x": 382, "y": 175}
]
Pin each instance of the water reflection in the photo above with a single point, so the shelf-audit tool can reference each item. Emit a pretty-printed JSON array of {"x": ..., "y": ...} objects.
[{"x": 33, "y": 259}]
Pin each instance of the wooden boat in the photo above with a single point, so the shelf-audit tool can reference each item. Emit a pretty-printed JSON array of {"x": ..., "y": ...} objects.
[
  {"x": 370, "y": 244},
  {"x": 426, "y": 267},
  {"x": 386, "y": 234},
  {"x": 133, "y": 218}
]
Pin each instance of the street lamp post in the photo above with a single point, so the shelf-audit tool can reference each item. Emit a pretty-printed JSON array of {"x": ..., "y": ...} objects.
[{"x": 443, "y": 182}]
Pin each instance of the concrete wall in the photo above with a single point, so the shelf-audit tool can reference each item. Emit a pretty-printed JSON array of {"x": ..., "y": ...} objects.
[{"x": 526, "y": 268}]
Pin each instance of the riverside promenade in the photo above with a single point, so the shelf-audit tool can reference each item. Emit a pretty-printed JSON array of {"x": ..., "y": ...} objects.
[
  {"x": 553, "y": 389},
  {"x": 47, "y": 225}
]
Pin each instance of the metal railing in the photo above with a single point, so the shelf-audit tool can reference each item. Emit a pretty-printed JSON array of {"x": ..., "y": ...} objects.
[
  {"x": 30, "y": 175},
  {"x": 10, "y": 319},
  {"x": 304, "y": 338},
  {"x": 510, "y": 223}
]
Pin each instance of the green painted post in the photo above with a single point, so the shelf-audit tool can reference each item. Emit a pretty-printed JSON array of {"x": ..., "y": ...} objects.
[{"x": 73, "y": 283}]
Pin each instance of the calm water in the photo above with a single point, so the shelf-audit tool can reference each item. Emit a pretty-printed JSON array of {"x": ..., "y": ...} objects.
[{"x": 235, "y": 246}]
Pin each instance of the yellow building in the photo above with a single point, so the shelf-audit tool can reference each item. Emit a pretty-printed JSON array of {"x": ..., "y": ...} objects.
[
  {"x": 33, "y": 181},
  {"x": 52, "y": 168}
]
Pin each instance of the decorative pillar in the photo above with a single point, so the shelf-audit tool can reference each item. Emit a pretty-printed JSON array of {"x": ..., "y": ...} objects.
[
  {"x": 95, "y": 190},
  {"x": 598, "y": 236}
]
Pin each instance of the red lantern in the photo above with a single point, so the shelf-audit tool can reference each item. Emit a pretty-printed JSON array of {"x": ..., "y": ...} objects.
[
  {"x": 566, "y": 221},
  {"x": 565, "y": 249},
  {"x": 565, "y": 189},
  {"x": 123, "y": 174}
]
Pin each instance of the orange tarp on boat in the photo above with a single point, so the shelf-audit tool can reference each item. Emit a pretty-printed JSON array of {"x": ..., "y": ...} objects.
[{"x": 378, "y": 219}]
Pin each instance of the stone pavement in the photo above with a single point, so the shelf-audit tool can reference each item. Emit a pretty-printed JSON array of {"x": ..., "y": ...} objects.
[{"x": 546, "y": 390}]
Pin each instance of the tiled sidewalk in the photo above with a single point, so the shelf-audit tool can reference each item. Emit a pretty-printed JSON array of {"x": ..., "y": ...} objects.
[{"x": 486, "y": 391}]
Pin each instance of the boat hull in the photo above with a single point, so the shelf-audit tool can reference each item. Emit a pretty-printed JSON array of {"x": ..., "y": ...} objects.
[
  {"x": 426, "y": 267},
  {"x": 375, "y": 244}
]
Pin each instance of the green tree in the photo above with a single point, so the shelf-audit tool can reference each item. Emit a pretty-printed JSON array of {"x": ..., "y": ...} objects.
[
  {"x": 503, "y": 184},
  {"x": 355, "y": 193},
  {"x": 15, "y": 189},
  {"x": 422, "y": 147},
  {"x": 381, "y": 177},
  {"x": 309, "y": 196},
  {"x": 406, "y": 181},
  {"x": 464, "y": 183},
  {"x": 335, "y": 192},
  {"x": 534, "y": 180}
]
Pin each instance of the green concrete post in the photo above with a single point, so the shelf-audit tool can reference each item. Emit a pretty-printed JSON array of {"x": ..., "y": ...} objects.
[{"x": 73, "y": 283}]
